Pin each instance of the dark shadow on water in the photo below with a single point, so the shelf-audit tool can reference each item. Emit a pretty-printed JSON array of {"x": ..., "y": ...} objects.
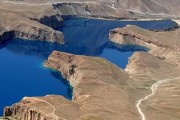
[
  {"x": 58, "y": 75},
  {"x": 128, "y": 48}
]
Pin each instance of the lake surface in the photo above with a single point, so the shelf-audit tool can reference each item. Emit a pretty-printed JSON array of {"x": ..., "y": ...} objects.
[{"x": 21, "y": 70}]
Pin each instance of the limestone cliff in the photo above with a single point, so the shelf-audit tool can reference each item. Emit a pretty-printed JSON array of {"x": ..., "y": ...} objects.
[
  {"x": 53, "y": 21},
  {"x": 31, "y": 22},
  {"x": 165, "y": 45},
  {"x": 101, "y": 91},
  {"x": 5, "y": 35}
]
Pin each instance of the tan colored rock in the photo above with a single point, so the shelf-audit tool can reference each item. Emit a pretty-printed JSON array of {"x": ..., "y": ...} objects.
[
  {"x": 164, "y": 45},
  {"x": 147, "y": 69},
  {"x": 5, "y": 34},
  {"x": 101, "y": 91},
  {"x": 31, "y": 22}
]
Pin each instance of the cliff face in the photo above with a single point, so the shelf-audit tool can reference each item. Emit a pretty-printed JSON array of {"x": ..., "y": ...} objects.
[
  {"x": 96, "y": 9},
  {"x": 31, "y": 22},
  {"x": 100, "y": 91},
  {"x": 165, "y": 45},
  {"x": 6, "y": 36},
  {"x": 37, "y": 22},
  {"x": 39, "y": 33},
  {"x": 23, "y": 113},
  {"x": 53, "y": 21}
]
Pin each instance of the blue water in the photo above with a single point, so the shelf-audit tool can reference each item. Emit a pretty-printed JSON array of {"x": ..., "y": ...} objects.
[{"x": 21, "y": 70}]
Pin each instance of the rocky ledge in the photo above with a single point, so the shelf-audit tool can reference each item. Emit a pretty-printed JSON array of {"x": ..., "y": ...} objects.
[
  {"x": 164, "y": 45},
  {"x": 101, "y": 91},
  {"x": 5, "y": 35},
  {"x": 30, "y": 22}
]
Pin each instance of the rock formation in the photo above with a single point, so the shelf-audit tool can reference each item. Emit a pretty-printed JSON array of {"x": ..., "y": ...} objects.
[
  {"x": 28, "y": 20},
  {"x": 5, "y": 35},
  {"x": 165, "y": 45},
  {"x": 100, "y": 91},
  {"x": 31, "y": 22}
]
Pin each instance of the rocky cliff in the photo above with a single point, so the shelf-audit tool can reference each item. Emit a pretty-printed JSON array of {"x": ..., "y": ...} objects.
[
  {"x": 38, "y": 22},
  {"x": 5, "y": 35},
  {"x": 100, "y": 91},
  {"x": 165, "y": 45},
  {"x": 31, "y": 22}
]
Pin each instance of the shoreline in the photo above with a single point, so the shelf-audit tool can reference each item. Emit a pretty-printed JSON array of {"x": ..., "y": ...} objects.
[{"x": 110, "y": 18}]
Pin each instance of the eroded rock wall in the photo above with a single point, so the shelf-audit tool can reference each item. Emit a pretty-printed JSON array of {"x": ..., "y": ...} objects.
[
  {"x": 31, "y": 22},
  {"x": 164, "y": 45}
]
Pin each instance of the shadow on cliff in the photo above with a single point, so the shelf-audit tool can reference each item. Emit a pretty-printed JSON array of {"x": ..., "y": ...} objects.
[
  {"x": 44, "y": 49},
  {"x": 84, "y": 37},
  {"x": 57, "y": 75}
]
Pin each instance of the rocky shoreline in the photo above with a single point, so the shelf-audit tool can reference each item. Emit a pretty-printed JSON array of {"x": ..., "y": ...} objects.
[
  {"x": 164, "y": 45},
  {"x": 106, "y": 83},
  {"x": 41, "y": 22},
  {"x": 108, "y": 93},
  {"x": 32, "y": 23}
]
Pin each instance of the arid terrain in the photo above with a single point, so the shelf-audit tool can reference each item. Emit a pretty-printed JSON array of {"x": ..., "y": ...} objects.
[
  {"x": 161, "y": 67},
  {"x": 149, "y": 87},
  {"x": 37, "y": 19}
]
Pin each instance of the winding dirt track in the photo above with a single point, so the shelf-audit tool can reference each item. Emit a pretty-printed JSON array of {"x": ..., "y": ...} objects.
[
  {"x": 153, "y": 89},
  {"x": 54, "y": 109}
]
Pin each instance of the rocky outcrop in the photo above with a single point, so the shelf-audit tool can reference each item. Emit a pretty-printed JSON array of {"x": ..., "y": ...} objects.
[
  {"x": 95, "y": 10},
  {"x": 38, "y": 33},
  {"x": 25, "y": 114},
  {"x": 164, "y": 45},
  {"x": 100, "y": 91},
  {"x": 53, "y": 21},
  {"x": 31, "y": 22},
  {"x": 38, "y": 22},
  {"x": 6, "y": 36}
]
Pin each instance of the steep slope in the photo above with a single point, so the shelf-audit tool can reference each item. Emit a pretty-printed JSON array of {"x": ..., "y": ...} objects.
[
  {"x": 34, "y": 23},
  {"x": 164, "y": 45}
]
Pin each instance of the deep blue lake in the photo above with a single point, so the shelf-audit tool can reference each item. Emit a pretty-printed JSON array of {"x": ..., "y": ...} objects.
[{"x": 21, "y": 70}]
